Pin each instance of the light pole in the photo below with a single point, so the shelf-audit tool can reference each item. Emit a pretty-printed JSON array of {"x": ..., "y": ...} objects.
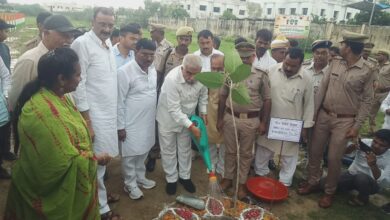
[{"x": 372, "y": 12}]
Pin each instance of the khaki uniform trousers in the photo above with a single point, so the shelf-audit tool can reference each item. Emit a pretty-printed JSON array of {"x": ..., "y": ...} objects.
[
  {"x": 246, "y": 132},
  {"x": 332, "y": 129},
  {"x": 376, "y": 104}
]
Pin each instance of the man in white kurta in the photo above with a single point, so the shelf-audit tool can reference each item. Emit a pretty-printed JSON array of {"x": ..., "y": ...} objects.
[
  {"x": 263, "y": 59},
  {"x": 206, "y": 50},
  {"x": 292, "y": 98},
  {"x": 96, "y": 95},
  {"x": 137, "y": 98},
  {"x": 180, "y": 94}
]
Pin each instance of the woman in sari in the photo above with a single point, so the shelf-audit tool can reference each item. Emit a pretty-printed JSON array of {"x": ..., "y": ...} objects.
[{"x": 55, "y": 176}]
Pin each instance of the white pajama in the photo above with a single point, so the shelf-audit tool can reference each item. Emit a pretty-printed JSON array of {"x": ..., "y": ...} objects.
[
  {"x": 288, "y": 164},
  {"x": 102, "y": 193},
  {"x": 133, "y": 169},
  {"x": 217, "y": 155},
  {"x": 175, "y": 148}
]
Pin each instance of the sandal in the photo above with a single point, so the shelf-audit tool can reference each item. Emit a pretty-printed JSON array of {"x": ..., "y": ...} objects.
[
  {"x": 112, "y": 197},
  {"x": 355, "y": 201},
  {"x": 110, "y": 215}
]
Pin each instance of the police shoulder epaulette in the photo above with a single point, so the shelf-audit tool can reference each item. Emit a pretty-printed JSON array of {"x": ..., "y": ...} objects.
[{"x": 262, "y": 70}]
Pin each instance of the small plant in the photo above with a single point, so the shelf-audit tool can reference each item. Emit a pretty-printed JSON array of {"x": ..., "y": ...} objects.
[{"x": 238, "y": 93}]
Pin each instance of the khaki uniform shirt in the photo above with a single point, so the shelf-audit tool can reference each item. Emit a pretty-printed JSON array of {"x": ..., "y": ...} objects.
[
  {"x": 347, "y": 90},
  {"x": 258, "y": 86},
  {"x": 25, "y": 70},
  {"x": 212, "y": 114},
  {"x": 292, "y": 98},
  {"x": 316, "y": 77},
  {"x": 162, "y": 47},
  {"x": 383, "y": 80},
  {"x": 174, "y": 59},
  {"x": 32, "y": 43}
]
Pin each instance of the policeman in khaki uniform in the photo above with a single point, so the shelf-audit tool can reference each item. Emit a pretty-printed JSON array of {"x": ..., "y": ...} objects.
[
  {"x": 342, "y": 105},
  {"x": 162, "y": 44},
  {"x": 250, "y": 120},
  {"x": 382, "y": 83},
  {"x": 317, "y": 66},
  {"x": 174, "y": 57}
]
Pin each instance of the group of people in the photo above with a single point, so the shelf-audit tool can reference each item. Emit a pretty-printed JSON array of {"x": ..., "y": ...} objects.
[{"x": 79, "y": 100}]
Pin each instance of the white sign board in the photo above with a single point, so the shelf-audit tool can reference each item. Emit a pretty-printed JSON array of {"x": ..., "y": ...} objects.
[{"x": 285, "y": 129}]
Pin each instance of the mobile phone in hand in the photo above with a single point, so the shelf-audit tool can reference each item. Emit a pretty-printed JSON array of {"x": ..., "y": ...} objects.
[{"x": 364, "y": 147}]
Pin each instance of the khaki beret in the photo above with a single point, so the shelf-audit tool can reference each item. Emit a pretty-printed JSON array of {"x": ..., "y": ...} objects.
[
  {"x": 245, "y": 49},
  {"x": 280, "y": 42},
  {"x": 353, "y": 37},
  {"x": 185, "y": 31},
  {"x": 157, "y": 27},
  {"x": 384, "y": 51},
  {"x": 321, "y": 44}
]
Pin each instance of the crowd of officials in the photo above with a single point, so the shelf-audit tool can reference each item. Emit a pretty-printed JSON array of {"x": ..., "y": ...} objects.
[{"x": 76, "y": 100}]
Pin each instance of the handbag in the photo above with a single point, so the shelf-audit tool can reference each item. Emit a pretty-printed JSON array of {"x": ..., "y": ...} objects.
[{"x": 4, "y": 114}]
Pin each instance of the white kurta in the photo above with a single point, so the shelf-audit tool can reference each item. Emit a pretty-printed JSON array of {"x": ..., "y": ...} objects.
[
  {"x": 292, "y": 98},
  {"x": 386, "y": 105},
  {"x": 137, "y": 98},
  {"x": 178, "y": 101},
  {"x": 264, "y": 62},
  {"x": 97, "y": 91},
  {"x": 206, "y": 63}
]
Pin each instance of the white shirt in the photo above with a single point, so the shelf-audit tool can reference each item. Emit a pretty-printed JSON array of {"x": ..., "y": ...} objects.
[
  {"x": 119, "y": 59},
  {"x": 206, "y": 65},
  {"x": 264, "y": 62},
  {"x": 97, "y": 91},
  {"x": 5, "y": 78},
  {"x": 178, "y": 100},
  {"x": 137, "y": 98},
  {"x": 359, "y": 165},
  {"x": 386, "y": 105}
]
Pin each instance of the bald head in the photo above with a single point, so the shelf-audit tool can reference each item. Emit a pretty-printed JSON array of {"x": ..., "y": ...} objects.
[{"x": 217, "y": 63}]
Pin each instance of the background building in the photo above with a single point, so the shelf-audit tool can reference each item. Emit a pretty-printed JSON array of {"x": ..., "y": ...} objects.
[
  {"x": 211, "y": 8},
  {"x": 331, "y": 10}
]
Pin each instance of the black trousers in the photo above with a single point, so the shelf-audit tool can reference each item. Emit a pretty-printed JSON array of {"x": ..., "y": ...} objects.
[
  {"x": 5, "y": 140},
  {"x": 363, "y": 183}
]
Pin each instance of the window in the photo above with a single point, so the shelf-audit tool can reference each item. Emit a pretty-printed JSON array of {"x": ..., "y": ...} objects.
[
  {"x": 269, "y": 11},
  {"x": 181, "y": 6},
  {"x": 293, "y": 11},
  {"x": 202, "y": 7},
  {"x": 349, "y": 14},
  {"x": 282, "y": 11},
  {"x": 335, "y": 15},
  {"x": 188, "y": 7},
  {"x": 217, "y": 9},
  {"x": 304, "y": 11},
  {"x": 241, "y": 12},
  {"x": 229, "y": 10},
  {"x": 322, "y": 14}
]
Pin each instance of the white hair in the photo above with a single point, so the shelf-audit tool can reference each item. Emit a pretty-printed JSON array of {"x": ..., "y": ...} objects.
[{"x": 192, "y": 61}]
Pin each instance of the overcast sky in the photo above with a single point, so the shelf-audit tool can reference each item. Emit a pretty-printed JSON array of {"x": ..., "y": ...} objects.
[{"x": 113, "y": 3}]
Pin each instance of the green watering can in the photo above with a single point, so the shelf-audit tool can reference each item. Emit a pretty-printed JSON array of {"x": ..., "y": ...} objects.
[{"x": 203, "y": 144}]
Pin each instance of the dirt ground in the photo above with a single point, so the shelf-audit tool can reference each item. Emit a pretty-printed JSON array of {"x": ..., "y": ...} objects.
[{"x": 295, "y": 207}]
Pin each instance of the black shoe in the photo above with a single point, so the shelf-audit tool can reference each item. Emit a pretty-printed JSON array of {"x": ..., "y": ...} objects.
[
  {"x": 4, "y": 174},
  {"x": 386, "y": 208},
  {"x": 9, "y": 156},
  {"x": 171, "y": 188},
  {"x": 271, "y": 165},
  {"x": 188, "y": 185},
  {"x": 150, "y": 165}
]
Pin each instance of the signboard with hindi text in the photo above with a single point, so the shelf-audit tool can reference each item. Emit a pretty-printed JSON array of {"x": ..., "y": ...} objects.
[
  {"x": 292, "y": 26},
  {"x": 285, "y": 129}
]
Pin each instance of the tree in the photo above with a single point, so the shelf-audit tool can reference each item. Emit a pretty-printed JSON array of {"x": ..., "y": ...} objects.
[
  {"x": 317, "y": 19},
  {"x": 254, "y": 10},
  {"x": 3, "y": 2},
  {"x": 179, "y": 13},
  {"x": 228, "y": 15},
  {"x": 379, "y": 18}
]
